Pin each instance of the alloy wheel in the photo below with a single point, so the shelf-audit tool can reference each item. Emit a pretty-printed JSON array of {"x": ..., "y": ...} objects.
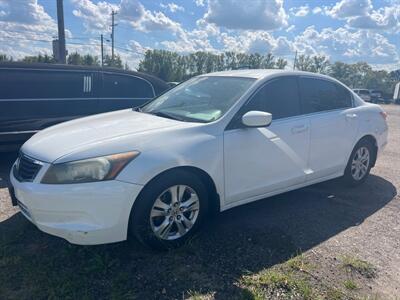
[
  {"x": 360, "y": 163},
  {"x": 174, "y": 212}
]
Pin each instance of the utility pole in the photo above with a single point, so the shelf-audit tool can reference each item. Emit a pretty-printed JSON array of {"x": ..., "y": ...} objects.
[
  {"x": 295, "y": 60},
  {"x": 113, "y": 13},
  {"x": 61, "y": 32},
  {"x": 102, "y": 50}
]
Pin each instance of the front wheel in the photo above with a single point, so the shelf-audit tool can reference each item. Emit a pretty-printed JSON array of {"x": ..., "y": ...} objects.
[
  {"x": 169, "y": 210},
  {"x": 359, "y": 164}
]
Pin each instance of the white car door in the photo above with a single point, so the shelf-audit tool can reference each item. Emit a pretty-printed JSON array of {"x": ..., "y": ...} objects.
[
  {"x": 261, "y": 161},
  {"x": 333, "y": 126}
]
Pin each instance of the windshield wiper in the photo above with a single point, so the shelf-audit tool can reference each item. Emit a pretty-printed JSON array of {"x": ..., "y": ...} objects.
[{"x": 165, "y": 115}]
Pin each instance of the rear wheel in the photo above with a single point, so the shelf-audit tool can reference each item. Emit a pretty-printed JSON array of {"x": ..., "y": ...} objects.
[
  {"x": 169, "y": 210},
  {"x": 359, "y": 164}
]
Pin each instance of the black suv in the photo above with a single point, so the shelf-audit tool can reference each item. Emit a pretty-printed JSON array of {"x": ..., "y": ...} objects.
[{"x": 36, "y": 96}]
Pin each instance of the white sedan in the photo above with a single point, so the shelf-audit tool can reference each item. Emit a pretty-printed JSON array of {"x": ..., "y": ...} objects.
[{"x": 212, "y": 143}]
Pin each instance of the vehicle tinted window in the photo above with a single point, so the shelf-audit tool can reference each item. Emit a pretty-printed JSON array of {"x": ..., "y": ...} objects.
[
  {"x": 125, "y": 86},
  {"x": 322, "y": 95},
  {"x": 279, "y": 97},
  {"x": 34, "y": 84}
]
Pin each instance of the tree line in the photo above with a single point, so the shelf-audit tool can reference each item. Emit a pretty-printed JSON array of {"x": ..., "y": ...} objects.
[
  {"x": 172, "y": 66},
  {"x": 72, "y": 59}
]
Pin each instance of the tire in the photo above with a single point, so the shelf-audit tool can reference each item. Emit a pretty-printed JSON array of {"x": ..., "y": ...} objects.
[
  {"x": 157, "y": 222},
  {"x": 357, "y": 169}
]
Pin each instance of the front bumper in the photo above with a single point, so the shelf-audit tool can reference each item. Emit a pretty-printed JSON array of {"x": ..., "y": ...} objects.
[{"x": 84, "y": 214}]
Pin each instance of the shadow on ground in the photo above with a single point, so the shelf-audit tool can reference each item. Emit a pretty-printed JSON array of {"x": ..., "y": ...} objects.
[{"x": 241, "y": 240}]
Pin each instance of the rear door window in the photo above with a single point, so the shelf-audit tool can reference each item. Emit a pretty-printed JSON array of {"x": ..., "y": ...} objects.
[
  {"x": 126, "y": 86},
  {"x": 319, "y": 95}
]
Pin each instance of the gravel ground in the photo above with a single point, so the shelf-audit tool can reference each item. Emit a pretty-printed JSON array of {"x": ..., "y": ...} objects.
[{"x": 326, "y": 222}]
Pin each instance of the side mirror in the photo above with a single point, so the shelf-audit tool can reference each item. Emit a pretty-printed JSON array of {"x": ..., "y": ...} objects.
[{"x": 256, "y": 119}]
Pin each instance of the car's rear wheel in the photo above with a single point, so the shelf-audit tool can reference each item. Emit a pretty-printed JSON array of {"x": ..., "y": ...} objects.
[
  {"x": 360, "y": 163},
  {"x": 169, "y": 210}
]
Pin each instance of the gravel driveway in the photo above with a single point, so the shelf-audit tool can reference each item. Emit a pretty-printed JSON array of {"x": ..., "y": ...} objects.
[{"x": 324, "y": 221}]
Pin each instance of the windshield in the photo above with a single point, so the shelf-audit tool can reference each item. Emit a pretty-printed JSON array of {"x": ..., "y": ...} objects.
[{"x": 201, "y": 99}]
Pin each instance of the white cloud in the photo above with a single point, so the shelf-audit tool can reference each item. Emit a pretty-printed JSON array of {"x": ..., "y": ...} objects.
[
  {"x": 387, "y": 18},
  {"x": 96, "y": 16},
  {"x": 317, "y": 10},
  {"x": 290, "y": 28},
  {"x": 259, "y": 15},
  {"x": 199, "y": 2},
  {"x": 361, "y": 14},
  {"x": 350, "y": 8},
  {"x": 256, "y": 42},
  {"x": 25, "y": 28},
  {"x": 173, "y": 7},
  {"x": 348, "y": 46},
  {"x": 300, "y": 11}
]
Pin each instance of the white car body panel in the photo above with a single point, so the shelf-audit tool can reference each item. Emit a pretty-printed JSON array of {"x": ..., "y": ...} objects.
[{"x": 295, "y": 151}]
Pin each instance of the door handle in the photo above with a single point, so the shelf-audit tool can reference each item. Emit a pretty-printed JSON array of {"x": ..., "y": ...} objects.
[
  {"x": 299, "y": 129},
  {"x": 351, "y": 116}
]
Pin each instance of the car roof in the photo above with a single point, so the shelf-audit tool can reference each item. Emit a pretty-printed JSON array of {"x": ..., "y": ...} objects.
[
  {"x": 262, "y": 73},
  {"x": 51, "y": 66}
]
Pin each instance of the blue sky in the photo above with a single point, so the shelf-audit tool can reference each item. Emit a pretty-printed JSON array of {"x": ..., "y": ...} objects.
[{"x": 345, "y": 30}]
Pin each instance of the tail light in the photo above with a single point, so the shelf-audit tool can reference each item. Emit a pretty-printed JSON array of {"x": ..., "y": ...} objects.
[{"x": 383, "y": 114}]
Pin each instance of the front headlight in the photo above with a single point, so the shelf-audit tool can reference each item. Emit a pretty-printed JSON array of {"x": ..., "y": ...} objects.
[{"x": 88, "y": 170}]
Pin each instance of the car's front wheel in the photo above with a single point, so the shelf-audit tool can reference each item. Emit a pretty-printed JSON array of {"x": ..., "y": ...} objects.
[
  {"x": 360, "y": 163},
  {"x": 169, "y": 210}
]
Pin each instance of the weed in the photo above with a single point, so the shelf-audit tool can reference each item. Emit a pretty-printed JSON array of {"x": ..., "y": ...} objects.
[
  {"x": 350, "y": 284},
  {"x": 363, "y": 267}
]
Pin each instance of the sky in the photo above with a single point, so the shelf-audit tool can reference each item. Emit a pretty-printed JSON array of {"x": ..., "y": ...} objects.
[{"x": 345, "y": 30}]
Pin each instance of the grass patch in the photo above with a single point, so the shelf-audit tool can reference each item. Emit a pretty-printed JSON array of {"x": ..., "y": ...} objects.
[
  {"x": 362, "y": 267},
  {"x": 192, "y": 295},
  {"x": 272, "y": 282},
  {"x": 350, "y": 284},
  {"x": 299, "y": 263}
]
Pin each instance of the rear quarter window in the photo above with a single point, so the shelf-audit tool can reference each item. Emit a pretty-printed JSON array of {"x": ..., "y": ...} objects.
[{"x": 126, "y": 86}]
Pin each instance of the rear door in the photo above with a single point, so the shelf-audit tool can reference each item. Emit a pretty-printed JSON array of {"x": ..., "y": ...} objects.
[
  {"x": 33, "y": 99},
  {"x": 120, "y": 91},
  {"x": 333, "y": 124}
]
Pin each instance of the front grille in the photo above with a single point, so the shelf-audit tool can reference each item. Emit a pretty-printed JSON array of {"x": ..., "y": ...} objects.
[{"x": 26, "y": 168}]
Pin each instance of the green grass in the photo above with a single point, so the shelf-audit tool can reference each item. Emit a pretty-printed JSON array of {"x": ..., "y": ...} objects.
[
  {"x": 273, "y": 281},
  {"x": 350, "y": 284},
  {"x": 299, "y": 263},
  {"x": 362, "y": 267}
]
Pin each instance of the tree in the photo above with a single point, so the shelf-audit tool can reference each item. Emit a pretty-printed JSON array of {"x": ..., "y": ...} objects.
[
  {"x": 5, "y": 58},
  {"x": 116, "y": 62},
  {"x": 281, "y": 63},
  {"x": 320, "y": 64},
  {"x": 172, "y": 66},
  {"x": 304, "y": 63},
  {"x": 40, "y": 58}
]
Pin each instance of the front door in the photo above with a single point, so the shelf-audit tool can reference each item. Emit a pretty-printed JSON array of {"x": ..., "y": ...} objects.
[{"x": 260, "y": 161}]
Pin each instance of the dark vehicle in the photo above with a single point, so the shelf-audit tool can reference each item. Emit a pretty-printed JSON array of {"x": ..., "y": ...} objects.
[
  {"x": 376, "y": 96},
  {"x": 36, "y": 96}
]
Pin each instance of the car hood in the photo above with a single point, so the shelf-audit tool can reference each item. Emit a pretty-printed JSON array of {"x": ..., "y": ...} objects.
[{"x": 96, "y": 132}]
